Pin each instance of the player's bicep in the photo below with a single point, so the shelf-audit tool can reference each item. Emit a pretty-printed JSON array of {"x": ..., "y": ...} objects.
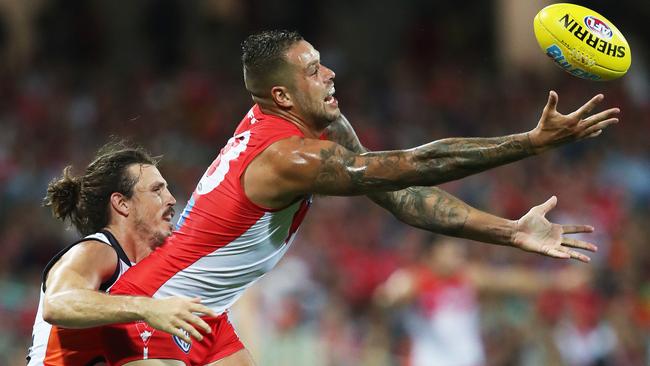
[
  {"x": 307, "y": 166},
  {"x": 86, "y": 266},
  {"x": 322, "y": 167}
]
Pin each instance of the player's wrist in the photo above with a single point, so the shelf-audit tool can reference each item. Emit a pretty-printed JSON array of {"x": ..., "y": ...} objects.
[
  {"x": 139, "y": 308},
  {"x": 536, "y": 141},
  {"x": 514, "y": 234}
]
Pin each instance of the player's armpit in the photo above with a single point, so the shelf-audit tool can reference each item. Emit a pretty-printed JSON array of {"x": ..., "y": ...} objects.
[{"x": 87, "y": 265}]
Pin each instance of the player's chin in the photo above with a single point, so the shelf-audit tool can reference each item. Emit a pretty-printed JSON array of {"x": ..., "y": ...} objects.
[
  {"x": 332, "y": 113},
  {"x": 159, "y": 237},
  {"x": 167, "y": 229}
]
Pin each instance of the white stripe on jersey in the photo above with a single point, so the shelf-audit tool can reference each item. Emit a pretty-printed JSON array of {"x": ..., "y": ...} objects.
[
  {"x": 219, "y": 278},
  {"x": 40, "y": 336}
]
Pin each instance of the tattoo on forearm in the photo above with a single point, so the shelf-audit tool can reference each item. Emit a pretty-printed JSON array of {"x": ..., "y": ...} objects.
[
  {"x": 455, "y": 158},
  {"x": 428, "y": 208},
  {"x": 448, "y": 159}
]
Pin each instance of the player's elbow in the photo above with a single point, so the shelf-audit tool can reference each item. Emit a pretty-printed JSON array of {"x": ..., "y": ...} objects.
[
  {"x": 49, "y": 314},
  {"x": 52, "y": 312}
]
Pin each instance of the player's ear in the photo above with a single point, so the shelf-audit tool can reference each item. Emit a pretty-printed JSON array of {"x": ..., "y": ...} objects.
[
  {"x": 281, "y": 96},
  {"x": 119, "y": 204}
]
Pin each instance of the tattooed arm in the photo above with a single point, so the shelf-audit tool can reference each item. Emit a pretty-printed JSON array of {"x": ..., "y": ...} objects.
[
  {"x": 435, "y": 210},
  {"x": 459, "y": 157},
  {"x": 428, "y": 208},
  {"x": 294, "y": 167},
  {"x": 297, "y": 166}
]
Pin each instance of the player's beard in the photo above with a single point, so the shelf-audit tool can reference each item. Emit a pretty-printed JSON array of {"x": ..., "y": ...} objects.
[
  {"x": 323, "y": 116},
  {"x": 158, "y": 239},
  {"x": 155, "y": 238},
  {"x": 317, "y": 112}
]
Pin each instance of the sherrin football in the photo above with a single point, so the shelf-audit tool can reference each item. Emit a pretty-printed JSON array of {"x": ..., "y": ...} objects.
[{"x": 582, "y": 42}]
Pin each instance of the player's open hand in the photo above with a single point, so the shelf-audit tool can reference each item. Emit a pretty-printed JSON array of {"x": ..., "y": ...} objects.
[
  {"x": 536, "y": 234},
  {"x": 555, "y": 128},
  {"x": 177, "y": 316}
]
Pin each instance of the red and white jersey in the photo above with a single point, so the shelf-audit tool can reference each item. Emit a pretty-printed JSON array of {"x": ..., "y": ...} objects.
[
  {"x": 54, "y": 346},
  {"x": 444, "y": 325},
  {"x": 223, "y": 242}
]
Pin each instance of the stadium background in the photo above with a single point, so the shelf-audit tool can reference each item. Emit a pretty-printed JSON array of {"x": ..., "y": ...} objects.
[{"x": 167, "y": 74}]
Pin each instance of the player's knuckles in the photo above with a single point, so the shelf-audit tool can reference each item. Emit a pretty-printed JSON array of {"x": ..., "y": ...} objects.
[
  {"x": 204, "y": 309},
  {"x": 190, "y": 329},
  {"x": 195, "y": 333},
  {"x": 193, "y": 319},
  {"x": 199, "y": 322},
  {"x": 184, "y": 337},
  {"x": 197, "y": 309}
]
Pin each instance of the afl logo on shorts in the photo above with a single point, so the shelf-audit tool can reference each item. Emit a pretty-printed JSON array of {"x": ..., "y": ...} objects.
[
  {"x": 599, "y": 27},
  {"x": 184, "y": 346}
]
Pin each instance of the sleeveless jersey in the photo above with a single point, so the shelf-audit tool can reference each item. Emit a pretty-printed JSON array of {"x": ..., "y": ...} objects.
[
  {"x": 52, "y": 345},
  {"x": 444, "y": 325},
  {"x": 223, "y": 242}
]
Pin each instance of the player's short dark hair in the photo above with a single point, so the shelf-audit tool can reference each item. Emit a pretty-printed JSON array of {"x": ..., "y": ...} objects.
[
  {"x": 84, "y": 199},
  {"x": 263, "y": 56}
]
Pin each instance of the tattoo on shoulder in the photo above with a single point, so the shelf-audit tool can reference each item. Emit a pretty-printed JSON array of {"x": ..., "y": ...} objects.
[{"x": 341, "y": 132}]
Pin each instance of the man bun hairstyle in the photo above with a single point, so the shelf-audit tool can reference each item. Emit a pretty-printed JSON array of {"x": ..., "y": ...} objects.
[
  {"x": 263, "y": 58},
  {"x": 84, "y": 199},
  {"x": 63, "y": 194}
]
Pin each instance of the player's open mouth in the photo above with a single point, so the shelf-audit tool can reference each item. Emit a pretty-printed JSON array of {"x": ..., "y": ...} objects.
[
  {"x": 169, "y": 215},
  {"x": 330, "y": 98}
]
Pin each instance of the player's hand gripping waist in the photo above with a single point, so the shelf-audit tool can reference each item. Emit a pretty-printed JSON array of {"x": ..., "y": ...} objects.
[{"x": 177, "y": 316}]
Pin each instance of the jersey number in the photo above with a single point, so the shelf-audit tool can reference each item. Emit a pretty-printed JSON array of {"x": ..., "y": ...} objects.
[{"x": 220, "y": 166}]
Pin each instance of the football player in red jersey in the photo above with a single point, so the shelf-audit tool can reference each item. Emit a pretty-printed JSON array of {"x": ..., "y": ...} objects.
[
  {"x": 295, "y": 143},
  {"x": 440, "y": 294}
]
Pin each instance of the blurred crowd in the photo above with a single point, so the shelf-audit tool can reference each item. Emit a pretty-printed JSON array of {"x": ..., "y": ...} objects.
[{"x": 166, "y": 75}]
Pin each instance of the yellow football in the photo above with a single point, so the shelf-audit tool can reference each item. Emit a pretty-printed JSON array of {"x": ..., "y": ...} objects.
[{"x": 582, "y": 42}]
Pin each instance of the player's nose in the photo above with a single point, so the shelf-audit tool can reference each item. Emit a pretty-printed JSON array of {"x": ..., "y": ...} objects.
[
  {"x": 171, "y": 200},
  {"x": 329, "y": 73}
]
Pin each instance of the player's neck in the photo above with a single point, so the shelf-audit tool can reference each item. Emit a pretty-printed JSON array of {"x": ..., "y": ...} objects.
[{"x": 135, "y": 247}]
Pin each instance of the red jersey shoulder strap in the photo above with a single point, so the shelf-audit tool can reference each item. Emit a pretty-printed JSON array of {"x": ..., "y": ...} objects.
[{"x": 263, "y": 130}]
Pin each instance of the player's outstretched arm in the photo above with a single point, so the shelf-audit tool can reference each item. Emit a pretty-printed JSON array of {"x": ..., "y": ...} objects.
[
  {"x": 435, "y": 210},
  {"x": 460, "y": 157},
  {"x": 295, "y": 166},
  {"x": 72, "y": 299}
]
